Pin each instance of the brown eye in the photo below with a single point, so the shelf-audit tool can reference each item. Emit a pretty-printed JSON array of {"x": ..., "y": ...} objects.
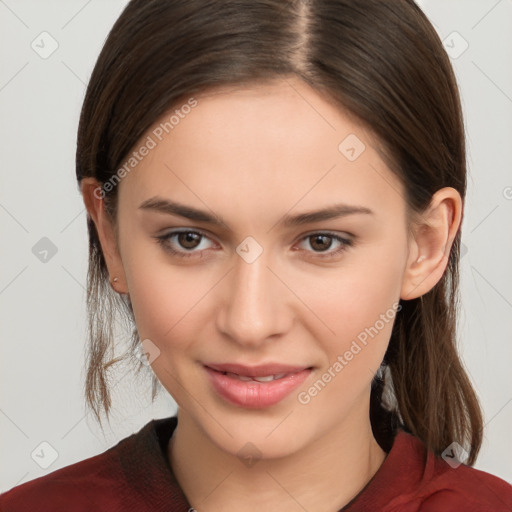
[
  {"x": 189, "y": 239},
  {"x": 185, "y": 244},
  {"x": 326, "y": 245},
  {"x": 321, "y": 242}
]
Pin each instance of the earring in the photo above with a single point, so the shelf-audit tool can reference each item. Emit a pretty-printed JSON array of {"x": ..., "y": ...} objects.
[{"x": 114, "y": 280}]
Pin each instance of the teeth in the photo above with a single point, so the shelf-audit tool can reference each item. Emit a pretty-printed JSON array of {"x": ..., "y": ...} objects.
[
  {"x": 236, "y": 376},
  {"x": 267, "y": 378},
  {"x": 264, "y": 379}
]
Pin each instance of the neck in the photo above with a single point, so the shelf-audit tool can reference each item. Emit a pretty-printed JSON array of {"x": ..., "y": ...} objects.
[{"x": 323, "y": 476}]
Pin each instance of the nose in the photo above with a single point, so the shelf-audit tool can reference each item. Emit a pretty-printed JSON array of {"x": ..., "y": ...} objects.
[{"x": 255, "y": 304}]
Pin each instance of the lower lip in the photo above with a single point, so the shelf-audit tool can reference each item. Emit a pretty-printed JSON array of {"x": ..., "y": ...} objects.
[{"x": 253, "y": 394}]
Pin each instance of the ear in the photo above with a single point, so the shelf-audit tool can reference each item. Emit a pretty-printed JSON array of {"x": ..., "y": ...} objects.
[
  {"x": 432, "y": 238},
  {"x": 93, "y": 198}
]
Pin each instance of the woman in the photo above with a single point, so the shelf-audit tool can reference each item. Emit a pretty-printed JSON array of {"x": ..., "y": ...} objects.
[{"x": 275, "y": 191}]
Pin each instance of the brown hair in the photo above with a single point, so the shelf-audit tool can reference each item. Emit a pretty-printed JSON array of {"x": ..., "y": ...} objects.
[{"x": 380, "y": 61}]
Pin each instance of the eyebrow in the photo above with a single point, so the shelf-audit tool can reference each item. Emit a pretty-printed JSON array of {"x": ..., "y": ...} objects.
[{"x": 336, "y": 211}]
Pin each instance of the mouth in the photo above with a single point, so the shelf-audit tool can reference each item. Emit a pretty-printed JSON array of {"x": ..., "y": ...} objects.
[
  {"x": 256, "y": 386},
  {"x": 263, "y": 378}
]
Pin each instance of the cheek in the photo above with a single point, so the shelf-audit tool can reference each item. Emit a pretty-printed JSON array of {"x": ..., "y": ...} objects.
[
  {"x": 162, "y": 302},
  {"x": 167, "y": 307},
  {"x": 360, "y": 308},
  {"x": 151, "y": 297},
  {"x": 359, "y": 303},
  {"x": 166, "y": 299}
]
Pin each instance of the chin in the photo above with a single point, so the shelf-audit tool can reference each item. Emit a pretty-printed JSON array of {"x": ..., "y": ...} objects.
[{"x": 263, "y": 435}]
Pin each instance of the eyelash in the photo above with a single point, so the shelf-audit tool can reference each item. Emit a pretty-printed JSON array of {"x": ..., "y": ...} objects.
[{"x": 163, "y": 240}]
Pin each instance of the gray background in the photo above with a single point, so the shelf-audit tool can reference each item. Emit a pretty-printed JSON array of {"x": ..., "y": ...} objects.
[{"x": 42, "y": 295}]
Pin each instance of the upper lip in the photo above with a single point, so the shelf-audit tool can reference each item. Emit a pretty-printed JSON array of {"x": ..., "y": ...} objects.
[{"x": 262, "y": 370}]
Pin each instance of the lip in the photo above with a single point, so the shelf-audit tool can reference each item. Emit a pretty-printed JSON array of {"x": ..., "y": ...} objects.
[{"x": 253, "y": 394}]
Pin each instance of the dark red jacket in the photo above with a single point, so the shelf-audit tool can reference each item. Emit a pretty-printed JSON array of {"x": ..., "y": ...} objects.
[{"x": 134, "y": 475}]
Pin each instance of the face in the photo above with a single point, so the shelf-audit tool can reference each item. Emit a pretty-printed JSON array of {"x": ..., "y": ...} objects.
[{"x": 252, "y": 286}]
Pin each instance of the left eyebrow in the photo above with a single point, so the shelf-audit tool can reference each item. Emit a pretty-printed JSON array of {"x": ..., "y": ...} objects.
[
  {"x": 336, "y": 211},
  {"x": 332, "y": 212}
]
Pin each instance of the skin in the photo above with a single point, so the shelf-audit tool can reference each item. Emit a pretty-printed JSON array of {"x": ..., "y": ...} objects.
[{"x": 251, "y": 155}]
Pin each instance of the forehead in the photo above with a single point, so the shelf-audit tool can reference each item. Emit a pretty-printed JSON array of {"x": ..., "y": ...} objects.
[{"x": 279, "y": 140}]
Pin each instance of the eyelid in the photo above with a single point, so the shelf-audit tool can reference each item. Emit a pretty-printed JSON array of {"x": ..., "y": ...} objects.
[{"x": 340, "y": 234}]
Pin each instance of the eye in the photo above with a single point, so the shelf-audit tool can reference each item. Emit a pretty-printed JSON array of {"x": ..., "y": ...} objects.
[
  {"x": 321, "y": 243},
  {"x": 189, "y": 243},
  {"x": 183, "y": 243}
]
